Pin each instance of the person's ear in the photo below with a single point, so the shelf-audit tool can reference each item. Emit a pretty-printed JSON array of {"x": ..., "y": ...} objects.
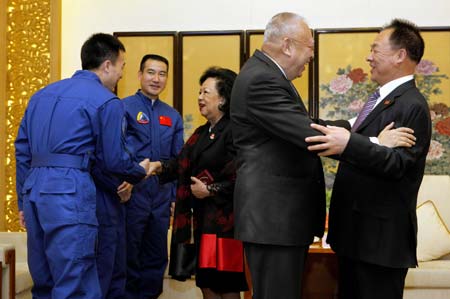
[
  {"x": 106, "y": 66},
  {"x": 286, "y": 46},
  {"x": 401, "y": 55}
]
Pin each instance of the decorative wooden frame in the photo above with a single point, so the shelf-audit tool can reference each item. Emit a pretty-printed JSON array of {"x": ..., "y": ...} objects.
[
  {"x": 304, "y": 84},
  {"x": 137, "y": 44},
  {"x": 253, "y": 40}
]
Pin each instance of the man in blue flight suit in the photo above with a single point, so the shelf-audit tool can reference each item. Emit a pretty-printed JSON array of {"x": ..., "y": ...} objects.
[
  {"x": 112, "y": 193},
  {"x": 67, "y": 126},
  {"x": 155, "y": 130}
]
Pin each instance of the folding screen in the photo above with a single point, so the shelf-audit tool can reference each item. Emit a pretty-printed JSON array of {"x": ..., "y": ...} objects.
[
  {"x": 197, "y": 52},
  {"x": 340, "y": 78},
  {"x": 432, "y": 78},
  {"x": 341, "y": 70},
  {"x": 342, "y": 84}
]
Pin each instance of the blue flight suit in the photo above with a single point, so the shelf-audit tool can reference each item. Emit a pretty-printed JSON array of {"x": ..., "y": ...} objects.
[
  {"x": 66, "y": 127},
  {"x": 111, "y": 247},
  {"x": 154, "y": 131}
]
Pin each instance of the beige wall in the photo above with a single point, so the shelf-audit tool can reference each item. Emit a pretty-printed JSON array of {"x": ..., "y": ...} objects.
[{"x": 81, "y": 18}]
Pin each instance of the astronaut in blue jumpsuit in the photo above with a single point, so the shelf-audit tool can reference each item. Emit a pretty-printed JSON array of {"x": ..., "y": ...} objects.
[
  {"x": 155, "y": 130},
  {"x": 111, "y": 246},
  {"x": 67, "y": 126}
]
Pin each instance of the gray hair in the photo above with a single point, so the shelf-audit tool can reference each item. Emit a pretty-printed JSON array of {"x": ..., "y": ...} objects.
[{"x": 282, "y": 24}]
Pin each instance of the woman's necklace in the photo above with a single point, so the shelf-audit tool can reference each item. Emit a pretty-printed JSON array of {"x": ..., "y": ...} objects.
[
  {"x": 211, "y": 135},
  {"x": 211, "y": 126}
]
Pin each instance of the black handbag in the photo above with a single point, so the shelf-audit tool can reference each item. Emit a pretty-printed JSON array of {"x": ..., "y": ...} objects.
[{"x": 183, "y": 260}]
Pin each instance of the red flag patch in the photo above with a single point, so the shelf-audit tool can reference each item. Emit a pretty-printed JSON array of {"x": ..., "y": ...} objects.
[{"x": 165, "y": 121}]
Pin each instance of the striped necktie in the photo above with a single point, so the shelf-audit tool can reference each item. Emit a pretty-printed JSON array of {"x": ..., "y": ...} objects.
[{"x": 368, "y": 106}]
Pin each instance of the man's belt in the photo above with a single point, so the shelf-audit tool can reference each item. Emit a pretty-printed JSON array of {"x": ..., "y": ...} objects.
[{"x": 60, "y": 160}]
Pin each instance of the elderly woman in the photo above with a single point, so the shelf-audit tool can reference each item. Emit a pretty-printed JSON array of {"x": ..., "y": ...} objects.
[{"x": 206, "y": 173}]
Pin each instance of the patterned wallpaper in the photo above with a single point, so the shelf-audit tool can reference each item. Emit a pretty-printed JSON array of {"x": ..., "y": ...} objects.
[{"x": 28, "y": 69}]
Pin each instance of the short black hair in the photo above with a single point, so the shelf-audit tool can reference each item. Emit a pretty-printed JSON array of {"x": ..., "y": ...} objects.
[
  {"x": 406, "y": 35},
  {"x": 153, "y": 57},
  {"x": 99, "y": 48},
  {"x": 224, "y": 83}
]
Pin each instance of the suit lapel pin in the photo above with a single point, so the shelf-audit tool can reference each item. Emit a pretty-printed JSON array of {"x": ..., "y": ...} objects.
[
  {"x": 387, "y": 102},
  {"x": 212, "y": 136}
]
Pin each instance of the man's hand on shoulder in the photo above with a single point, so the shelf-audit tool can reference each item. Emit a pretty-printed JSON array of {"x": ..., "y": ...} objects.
[{"x": 332, "y": 143}]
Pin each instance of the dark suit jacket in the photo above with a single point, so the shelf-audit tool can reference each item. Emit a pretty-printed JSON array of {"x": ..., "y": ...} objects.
[
  {"x": 279, "y": 194},
  {"x": 373, "y": 205}
]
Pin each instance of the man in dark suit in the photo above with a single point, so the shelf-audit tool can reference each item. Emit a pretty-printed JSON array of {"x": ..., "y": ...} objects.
[
  {"x": 279, "y": 192},
  {"x": 373, "y": 223}
]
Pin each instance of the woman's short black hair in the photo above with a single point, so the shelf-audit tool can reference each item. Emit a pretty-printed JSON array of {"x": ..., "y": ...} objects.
[{"x": 224, "y": 83}]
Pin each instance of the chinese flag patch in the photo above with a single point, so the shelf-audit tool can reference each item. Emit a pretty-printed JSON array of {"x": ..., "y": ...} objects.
[{"x": 165, "y": 121}]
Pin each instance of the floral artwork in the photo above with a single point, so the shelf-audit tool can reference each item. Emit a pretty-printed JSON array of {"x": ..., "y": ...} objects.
[
  {"x": 344, "y": 96},
  {"x": 428, "y": 81},
  {"x": 346, "y": 93}
]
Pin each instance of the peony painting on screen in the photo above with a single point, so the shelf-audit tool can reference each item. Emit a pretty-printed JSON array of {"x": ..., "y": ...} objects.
[{"x": 342, "y": 85}]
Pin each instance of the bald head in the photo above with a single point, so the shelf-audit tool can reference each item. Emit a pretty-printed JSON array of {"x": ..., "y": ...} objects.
[
  {"x": 281, "y": 25},
  {"x": 288, "y": 41}
]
